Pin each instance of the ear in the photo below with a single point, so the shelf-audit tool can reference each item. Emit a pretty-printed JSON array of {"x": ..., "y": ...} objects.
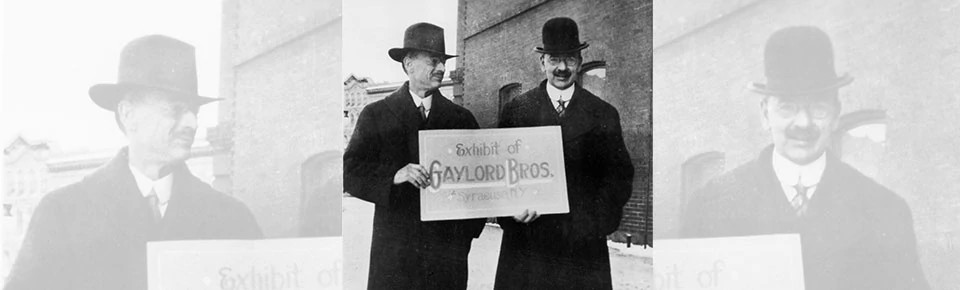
[
  {"x": 125, "y": 111},
  {"x": 764, "y": 116},
  {"x": 407, "y": 63}
]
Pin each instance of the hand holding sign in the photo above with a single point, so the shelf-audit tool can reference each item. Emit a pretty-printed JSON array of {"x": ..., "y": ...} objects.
[
  {"x": 527, "y": 216},
  {"x": 415, "y": 174}
]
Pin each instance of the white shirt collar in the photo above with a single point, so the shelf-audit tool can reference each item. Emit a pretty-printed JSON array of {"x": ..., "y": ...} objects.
[
  {"x": 162, "y": 187},
  {"x": 427, "y": 102},
  {"x": 558, "y": 94},
  {"x": 789, "y": 173}
]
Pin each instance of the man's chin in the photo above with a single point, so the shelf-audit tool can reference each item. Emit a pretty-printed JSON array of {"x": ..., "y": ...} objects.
[
  {"x": 180, "y": 154},
  {"x": 802, "y": 155},
  {"x": 561, "y": 84}
]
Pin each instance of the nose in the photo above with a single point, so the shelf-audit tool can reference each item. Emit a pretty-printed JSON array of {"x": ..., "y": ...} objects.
[
  {"x": 562, "y": 65},
  {"x": 803, "y": 118},
  {"x": 188, "y": 119},
  {"x": 440, "y": 67}
]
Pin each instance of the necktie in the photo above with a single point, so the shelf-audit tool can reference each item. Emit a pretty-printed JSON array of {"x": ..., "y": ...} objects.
[
  {"x": 423, "y": 112},
  {"x": 562, "y": 106},
  {"x": 799, "y": 201},
  {"x": 154, "y": 205}
]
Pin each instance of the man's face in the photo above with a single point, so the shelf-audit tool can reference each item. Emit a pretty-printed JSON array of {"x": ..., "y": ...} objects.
[
  {"x": 561, "y": 69},
  {"x": 160, "y": 126},
  {"x": 801, "y": 127},
  {"x": 425, "y": 70}
]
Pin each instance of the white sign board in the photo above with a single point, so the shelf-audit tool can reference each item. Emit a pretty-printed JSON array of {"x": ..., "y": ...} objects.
[
  {"x": 734, "y": 263},
  {"x": 492, "y": 172},
  {"x": 304, "y": 263}
]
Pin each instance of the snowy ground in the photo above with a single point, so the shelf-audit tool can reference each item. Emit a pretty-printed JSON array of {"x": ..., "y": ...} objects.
[{"x": 631, "y": 267}]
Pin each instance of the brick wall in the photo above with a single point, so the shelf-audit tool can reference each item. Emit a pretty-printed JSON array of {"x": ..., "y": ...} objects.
[
  {"x": 281, "y": 76},
  {"x": 496, "y": 47},
  {"x": 903, "y": 55}
]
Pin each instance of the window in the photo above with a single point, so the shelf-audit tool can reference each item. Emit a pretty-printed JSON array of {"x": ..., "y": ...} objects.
[
  {"x": 593, "y": 77},
  {"x": 697, "y": 171},
  {"x": 860, "y": 140},
  {"x": 320, "y": 199},
  {"x": 507, "y": 93}
]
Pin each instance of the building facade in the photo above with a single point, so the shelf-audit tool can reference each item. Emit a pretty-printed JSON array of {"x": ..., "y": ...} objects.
[
  {"x": 899, "y": 122},
  {"x": 280, "y": 78},
  {"x": 497, "y": 62}
]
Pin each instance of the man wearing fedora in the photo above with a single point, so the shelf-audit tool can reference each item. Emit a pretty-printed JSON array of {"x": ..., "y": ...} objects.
[
  {"x": 92, "y": 234},
  {"x": 381, "y": 166},
  {"x": 567, "y": 251},
  {"x": 855, "y": 233}
]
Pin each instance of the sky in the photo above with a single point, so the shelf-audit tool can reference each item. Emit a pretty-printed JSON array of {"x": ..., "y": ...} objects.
[
  {"x": 53, "y": 51},
  {"x": 371, "y": 27}
]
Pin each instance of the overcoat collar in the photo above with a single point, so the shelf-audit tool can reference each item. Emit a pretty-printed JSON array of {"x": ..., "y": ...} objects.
[
  {"x": 401, "y": 105},
  {"x": 830, "y": 191},
  {"x": 116, "y": 181},
  {"x": 580, "y": 115}
]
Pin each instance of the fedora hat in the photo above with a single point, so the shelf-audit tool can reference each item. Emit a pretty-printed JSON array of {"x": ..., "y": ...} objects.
[
  {"x": 423, "y": 37},
  {"x": 798, "y": 61},
  {"x": 561, "y": 35},
  {"x": 153, "y": 62}
]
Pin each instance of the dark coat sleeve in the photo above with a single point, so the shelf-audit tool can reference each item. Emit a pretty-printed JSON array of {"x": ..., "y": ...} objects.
[
  {"x": 38, "y": 263},
  {"x": 601, "y": 214},
  {"x": 364, "y": 174},
  {"x": 246, "y": 226},
  {"x": 899, "y": 247}
]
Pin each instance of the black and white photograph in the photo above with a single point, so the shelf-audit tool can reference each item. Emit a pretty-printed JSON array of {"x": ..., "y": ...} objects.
[
  {"x": 171, "y": 145},
  {"x": 480, "y": 144},
  {"x": 806, "y": 144},
  {"x": 497, "y": 144}
]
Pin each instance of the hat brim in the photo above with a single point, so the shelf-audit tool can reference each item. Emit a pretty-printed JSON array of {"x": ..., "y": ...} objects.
[
  {"x": 397, "y": 54},
  {"x": 762, "y": 89},
  {"x": 582, "y": 46},
  {"x": 107, "y": 96}
]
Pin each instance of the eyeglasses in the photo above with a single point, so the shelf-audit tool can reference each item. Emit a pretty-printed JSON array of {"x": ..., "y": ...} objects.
[
  {"x": 818, "y": 110},
  {"x": 569, "y": 60}
]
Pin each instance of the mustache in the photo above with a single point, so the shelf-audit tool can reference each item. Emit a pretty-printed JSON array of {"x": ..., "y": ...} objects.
[
  {"x": 185, "y": 134},
  {"x": 562, "y": 73},
  {"x": 804, "y": 133}
]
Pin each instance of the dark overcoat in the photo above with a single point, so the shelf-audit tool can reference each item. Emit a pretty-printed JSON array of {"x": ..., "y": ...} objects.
[
  {"x": 92, "y": 234},
  {"x": 406, "y": 253},
  {"x": 569, "y": 251},
  {"x": 855, "y": 234}
]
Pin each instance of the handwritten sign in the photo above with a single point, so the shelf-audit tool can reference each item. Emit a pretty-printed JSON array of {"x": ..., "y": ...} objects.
[
  {"x": 754, "y": 262},
  {"x": 492, "y": 172},
  {"x": 306, "y": 263}
]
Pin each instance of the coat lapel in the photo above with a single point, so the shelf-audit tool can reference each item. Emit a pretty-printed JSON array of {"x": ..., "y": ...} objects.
[
  {"x": 440, "y": 112},
  {"x": 182, "y": 205},
  {"x": 116, "y": 185},
  {"x": 578, "y": 118},
  {"x": 835, "y": 210},
  {"x": 774, "y": 210},
  {"x": 405, "y": 114}
]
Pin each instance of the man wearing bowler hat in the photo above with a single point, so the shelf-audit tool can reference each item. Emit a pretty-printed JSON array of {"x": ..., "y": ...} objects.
[
  {"x": 381, "y": 166},
  {"x": 567, "y": 251},
  {"x": 92, "y": 234},
  {"x": 854, "y": 233}
]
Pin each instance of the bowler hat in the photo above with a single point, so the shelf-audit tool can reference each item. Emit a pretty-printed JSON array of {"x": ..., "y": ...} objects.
[
  {"x": 798, "y": 61},
  {"x": 153, "y": 62},
  {"x": 561, "y": 35},
  {"x": 423, "y": 37}
]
